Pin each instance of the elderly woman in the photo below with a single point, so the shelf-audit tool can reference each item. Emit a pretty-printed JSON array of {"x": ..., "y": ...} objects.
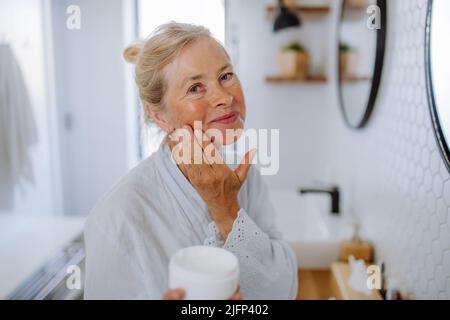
[{"x": 184, "y": 76}]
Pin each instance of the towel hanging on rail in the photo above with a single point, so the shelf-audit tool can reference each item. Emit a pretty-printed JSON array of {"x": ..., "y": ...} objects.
[{"x": 18, "y": 130}]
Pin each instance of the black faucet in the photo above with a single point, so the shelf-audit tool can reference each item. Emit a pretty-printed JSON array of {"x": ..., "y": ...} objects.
[{"x": 333, "y": 192}]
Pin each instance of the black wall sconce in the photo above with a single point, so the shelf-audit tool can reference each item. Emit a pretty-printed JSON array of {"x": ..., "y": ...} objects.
[{"x": 285, "y": 18}]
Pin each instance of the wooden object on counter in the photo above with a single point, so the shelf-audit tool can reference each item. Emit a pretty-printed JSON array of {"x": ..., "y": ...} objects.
[
  {"x": 310, "y": 79},
  {"x": 313, "y": 284},
  {"x": 357, "y": 249},
  {"x": 340, "y": 274}
]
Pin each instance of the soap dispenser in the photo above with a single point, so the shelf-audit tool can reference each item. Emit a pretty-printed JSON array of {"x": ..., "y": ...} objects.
[{"x": 356, "y": 247}]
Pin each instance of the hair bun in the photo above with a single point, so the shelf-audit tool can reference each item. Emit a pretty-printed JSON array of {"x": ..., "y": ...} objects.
[{"x": 131, "y": 53}]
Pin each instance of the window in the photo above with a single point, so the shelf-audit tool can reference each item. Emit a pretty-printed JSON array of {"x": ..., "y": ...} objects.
[
  {"x": 209, "y": 13},
  {"x": 152, "y": 13}
]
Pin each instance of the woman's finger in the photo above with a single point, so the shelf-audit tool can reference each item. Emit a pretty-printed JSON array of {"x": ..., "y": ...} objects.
[
  {"x": 243, "y": 168},
  {"x": 236, "y": 295},
  {"x": 197, "y": 147},
  {"x": 174, "y": 294},
  {"x": 191, "y": 146},
  {"x": 211, "y": 152},
  {"x": 200, "y": 145},
  {"x": 180, "y": 144},
  {"x": 196, "y": 170}
]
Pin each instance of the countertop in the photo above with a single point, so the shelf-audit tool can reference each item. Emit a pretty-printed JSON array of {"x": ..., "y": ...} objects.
[{"x": 27, "y": 243}]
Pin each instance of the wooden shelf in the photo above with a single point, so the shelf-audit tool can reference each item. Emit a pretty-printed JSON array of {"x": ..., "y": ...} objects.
[
  {"x": 352, "y": 13},
  {"x": 283, "y": 79},
  {"x": 356, "y": 79},
  {"x": 357, "y": 8},
  {"x": 302, "y": 9}
]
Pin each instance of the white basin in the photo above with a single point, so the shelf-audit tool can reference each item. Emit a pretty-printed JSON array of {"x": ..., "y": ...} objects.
[{"x": 309, "y": 227}]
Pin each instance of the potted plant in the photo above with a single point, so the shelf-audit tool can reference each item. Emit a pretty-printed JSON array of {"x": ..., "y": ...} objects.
[
  {"x": 293, "y": 60},
  {"x": 348, "y": 59},
  {"x": 290, "y": 3}
]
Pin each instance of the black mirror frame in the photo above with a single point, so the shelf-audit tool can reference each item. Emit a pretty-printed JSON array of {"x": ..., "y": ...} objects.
[
  {"x": 377, "y": 72},
  {"x": 432, "y": 106}
]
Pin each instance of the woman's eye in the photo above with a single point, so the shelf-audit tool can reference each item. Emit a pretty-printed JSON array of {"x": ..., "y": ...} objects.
[
  {"x": 226, "y": 76},
  {"x": 195, "y": 88}
]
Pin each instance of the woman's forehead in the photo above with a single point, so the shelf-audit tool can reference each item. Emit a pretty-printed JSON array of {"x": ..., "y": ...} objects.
[{"x": 201, "y": 57}]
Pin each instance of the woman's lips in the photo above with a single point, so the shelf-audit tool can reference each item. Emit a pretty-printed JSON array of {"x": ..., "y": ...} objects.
[{"x": 227, "y": 119}]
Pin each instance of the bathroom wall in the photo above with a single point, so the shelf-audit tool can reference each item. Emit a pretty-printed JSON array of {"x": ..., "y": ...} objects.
[
  {"x": 392, "y": 172},
  {"x": 392, "y": 177},
  {"x": 96, "y": 99},
  {"x": 30, "y": 44},
  {"x": 83, "y": 98},
  {"x": 299, "y": 110}
]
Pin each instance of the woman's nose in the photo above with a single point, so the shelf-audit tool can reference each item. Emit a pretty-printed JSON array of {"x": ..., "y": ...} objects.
[{"x": 220, "y": 97}]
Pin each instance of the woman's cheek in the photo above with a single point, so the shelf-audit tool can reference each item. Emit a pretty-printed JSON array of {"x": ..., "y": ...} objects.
[
  {"x": 191, "y": 118},
  {"x": 242, "y": 108},
  {"x": 240, "y": 100}
]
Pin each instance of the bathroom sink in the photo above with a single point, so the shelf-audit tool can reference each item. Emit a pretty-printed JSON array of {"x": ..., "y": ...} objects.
[{"x": 309, "y": 227}]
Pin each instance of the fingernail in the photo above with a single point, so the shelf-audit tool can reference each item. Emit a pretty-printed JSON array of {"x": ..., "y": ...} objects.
[{"x": 210, "y": 138}]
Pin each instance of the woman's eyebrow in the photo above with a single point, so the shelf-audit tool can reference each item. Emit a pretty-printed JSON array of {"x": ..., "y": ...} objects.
[
  {"x": 199, "y": 76},
  {"x": 224, "y": 67},
  {"x": 186, "y": 80}
]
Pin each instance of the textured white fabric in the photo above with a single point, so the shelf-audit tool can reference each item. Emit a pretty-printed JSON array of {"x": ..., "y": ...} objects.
[
  {"x": 153, "y": 211},
  {"x": 17, "y": 128}
]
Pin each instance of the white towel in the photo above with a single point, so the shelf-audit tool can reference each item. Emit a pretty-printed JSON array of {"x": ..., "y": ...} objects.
[{"x": 18, "y": 130}]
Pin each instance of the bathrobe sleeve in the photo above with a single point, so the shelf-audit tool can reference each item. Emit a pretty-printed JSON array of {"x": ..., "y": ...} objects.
[{"x": 268, "y": 266}]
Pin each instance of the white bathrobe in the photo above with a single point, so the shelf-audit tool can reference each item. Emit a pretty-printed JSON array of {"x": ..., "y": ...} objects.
[{"x": 153, "y": 211}]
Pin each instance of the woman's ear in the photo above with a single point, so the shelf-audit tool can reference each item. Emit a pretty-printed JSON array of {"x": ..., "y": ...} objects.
[{"x": 158, "y": 117}]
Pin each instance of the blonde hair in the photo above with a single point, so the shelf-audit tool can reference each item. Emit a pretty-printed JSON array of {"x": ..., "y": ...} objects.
[{"x": 158, "y": 50}]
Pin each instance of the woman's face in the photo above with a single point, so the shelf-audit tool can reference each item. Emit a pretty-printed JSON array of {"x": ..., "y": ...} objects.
[{"x": 201, "y": 86}]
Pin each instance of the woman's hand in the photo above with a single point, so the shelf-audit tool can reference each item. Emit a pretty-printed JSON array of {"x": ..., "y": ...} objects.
[
  {"x": 174, "y": 294},
  {"x": 216, "y": 183},
  {"x": 178, "y": 294}
]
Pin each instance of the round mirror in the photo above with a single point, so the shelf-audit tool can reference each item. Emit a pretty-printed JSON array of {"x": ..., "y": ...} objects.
[
  {"x": 438, "y": 72},
  {"x": 362, "y": 35}
]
